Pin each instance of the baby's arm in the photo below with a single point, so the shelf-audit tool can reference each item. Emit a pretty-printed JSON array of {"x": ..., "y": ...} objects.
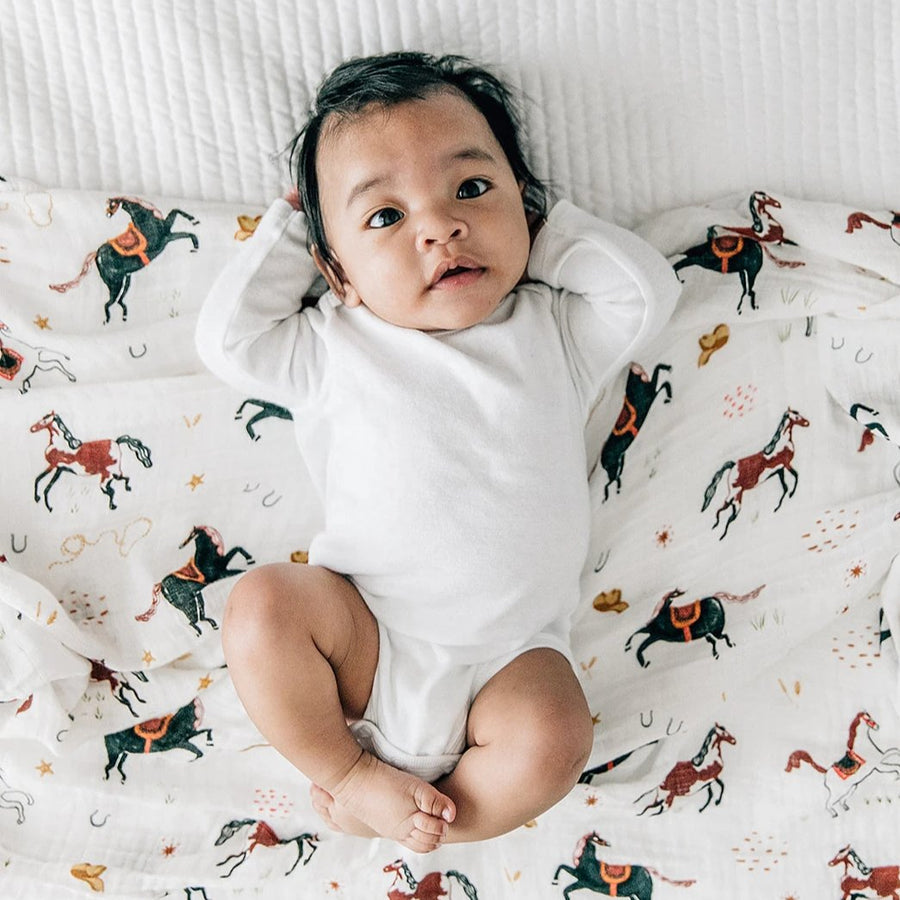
[
  {"x": 250, "y": 331},
  {"x": 616, "y": 290}
]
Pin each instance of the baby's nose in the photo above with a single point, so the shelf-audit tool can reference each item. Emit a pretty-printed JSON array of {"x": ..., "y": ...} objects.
[{"x": 440, "y": 228}]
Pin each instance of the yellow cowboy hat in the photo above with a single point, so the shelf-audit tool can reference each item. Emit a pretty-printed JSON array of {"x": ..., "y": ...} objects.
[{"x": 711, "y": 342}]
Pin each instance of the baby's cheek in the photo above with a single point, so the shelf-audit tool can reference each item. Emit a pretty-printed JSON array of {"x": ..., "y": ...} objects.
[{"x": 521, "y": 242}]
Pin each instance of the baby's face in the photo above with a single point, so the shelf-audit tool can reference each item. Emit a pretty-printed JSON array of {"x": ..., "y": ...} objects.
[{"x": 422, "y": 212}]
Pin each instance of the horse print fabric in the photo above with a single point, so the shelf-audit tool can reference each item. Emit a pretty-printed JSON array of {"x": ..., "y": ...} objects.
[{"x": 741, "y": 596}]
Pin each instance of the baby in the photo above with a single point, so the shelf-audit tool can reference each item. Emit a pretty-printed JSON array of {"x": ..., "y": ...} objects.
[{"x": 419, "y": 669}]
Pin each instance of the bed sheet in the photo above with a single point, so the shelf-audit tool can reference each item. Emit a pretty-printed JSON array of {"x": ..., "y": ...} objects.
[{"x": 734, "y": 639}]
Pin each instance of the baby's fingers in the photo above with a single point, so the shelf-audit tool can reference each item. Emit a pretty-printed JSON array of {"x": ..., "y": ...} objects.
[{"x": 293, "y": 197}]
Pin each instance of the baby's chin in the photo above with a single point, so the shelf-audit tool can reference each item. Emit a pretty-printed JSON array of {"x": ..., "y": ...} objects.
[{"x": 462, "y": 318}]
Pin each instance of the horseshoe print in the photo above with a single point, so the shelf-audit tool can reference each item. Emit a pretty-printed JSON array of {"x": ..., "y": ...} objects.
[
  {"x": 98, "y": 824},
  {"x": 858, "y": 356}
]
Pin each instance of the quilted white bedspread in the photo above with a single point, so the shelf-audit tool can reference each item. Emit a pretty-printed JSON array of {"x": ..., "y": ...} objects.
[{"x": 634, "y": 107}]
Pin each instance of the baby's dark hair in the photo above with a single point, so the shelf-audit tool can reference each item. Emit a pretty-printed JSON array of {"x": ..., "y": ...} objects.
[{"x": 392, "y": 78}]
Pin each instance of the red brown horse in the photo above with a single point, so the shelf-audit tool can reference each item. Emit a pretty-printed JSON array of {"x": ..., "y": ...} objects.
[
  {"x": 694, "y": 775},
  {"x": 434, "y": 886},
  {"x": 749, "y": 471},
  {"x": 884, "y": 881},
  {"x": 766, "y": 228},
  {"x": 101, "y": 458},
  {"x": 118, "y": 683},
  {"x": 263, "y": 836},
  {"x": 856, "y": 220}
]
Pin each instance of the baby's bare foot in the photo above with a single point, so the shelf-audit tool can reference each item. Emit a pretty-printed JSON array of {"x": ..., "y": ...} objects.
[
  {"x": 336, "y": 817},
  {"x": 375, "y": 798}
]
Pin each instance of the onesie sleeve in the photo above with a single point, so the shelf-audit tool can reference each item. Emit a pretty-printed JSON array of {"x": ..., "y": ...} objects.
[
  {"x": 251, "y": 332},
  {"x": 614, "y": 292}
]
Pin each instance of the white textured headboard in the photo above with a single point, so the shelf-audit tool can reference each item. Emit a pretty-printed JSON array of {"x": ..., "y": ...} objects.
[{"x": 635, "y": 105}]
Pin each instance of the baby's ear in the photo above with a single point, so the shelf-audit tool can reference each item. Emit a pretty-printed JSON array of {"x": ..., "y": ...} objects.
[{"x": 334, "y": 277}]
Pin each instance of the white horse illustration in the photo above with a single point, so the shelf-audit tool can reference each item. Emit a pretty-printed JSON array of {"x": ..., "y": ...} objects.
[{"x": 845, "y": 775}]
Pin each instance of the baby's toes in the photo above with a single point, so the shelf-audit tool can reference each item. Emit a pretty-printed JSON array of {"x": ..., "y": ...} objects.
[
  {"x": 421, "y": 842},
  {"x": 320, "y": 798},
  {"x": 429, "y": 826},
  {"x": 322, "y": 803},
  {"x": 433, "y": 803}
]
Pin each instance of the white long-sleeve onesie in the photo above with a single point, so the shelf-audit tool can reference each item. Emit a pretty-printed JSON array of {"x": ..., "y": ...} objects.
[{"x": 451, "y": 465}]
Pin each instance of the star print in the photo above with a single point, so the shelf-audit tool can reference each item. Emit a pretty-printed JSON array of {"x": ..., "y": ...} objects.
[
  {"x": 195, "y": 482},
  {"x": 45, "y": 768},
  {"x": 148, "y": 657},
  {"x": 204, "y": 683},
  {"x": 42, "y": 322},
  {"x": 664, "y": 537}
]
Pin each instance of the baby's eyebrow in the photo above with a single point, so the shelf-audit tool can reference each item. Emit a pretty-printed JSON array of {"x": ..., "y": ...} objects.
[
  {"x": 478, "y": 154},
  {"x": 364, "y": 187}
]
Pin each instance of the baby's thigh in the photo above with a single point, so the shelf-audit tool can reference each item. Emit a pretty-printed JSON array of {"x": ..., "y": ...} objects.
[
  {"x": 277, "y": 612},
  {"x": 536, "y": 703}
]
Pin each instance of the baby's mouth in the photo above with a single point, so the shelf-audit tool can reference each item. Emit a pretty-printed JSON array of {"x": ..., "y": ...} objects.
[
  {"x": 458, "y": 277},
  {"x": 455, "y": 271},
  {"x": 463, "y": 272}
]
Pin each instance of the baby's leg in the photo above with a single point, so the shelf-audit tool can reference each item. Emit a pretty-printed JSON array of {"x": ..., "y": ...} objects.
[
  {"x": 302, "y": 648},
  {"x": 529, "y": 736}
]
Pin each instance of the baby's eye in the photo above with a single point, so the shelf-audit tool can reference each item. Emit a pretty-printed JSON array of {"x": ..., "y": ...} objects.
[
  {"x": 472, "y": 187},
  {"x": 385, "y": 217}
]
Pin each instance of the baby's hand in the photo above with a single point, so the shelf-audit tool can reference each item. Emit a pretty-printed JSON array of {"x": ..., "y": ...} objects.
[{"x": 293, "y": 197}]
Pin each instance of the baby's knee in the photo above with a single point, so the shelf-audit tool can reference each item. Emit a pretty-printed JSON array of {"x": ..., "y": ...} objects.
[
  {"x": 558, "y": 747},
  {"x": 252, "y": 611}
]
